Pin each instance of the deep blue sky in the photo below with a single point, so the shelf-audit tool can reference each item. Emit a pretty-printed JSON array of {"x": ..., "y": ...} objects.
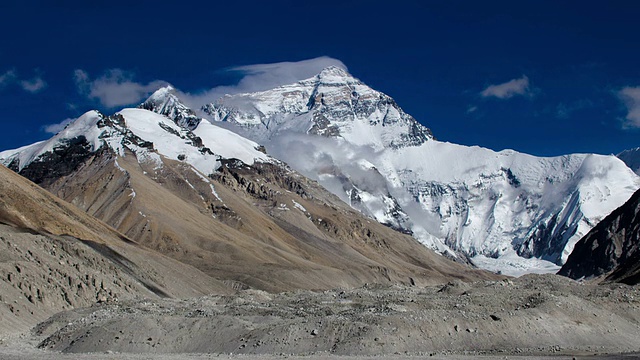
[{"x": 435, "y": 58}]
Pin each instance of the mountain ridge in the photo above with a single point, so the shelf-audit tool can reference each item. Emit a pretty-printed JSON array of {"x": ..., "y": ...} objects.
[
  {"x": 508, "y": 211},
  {"x": 216, "y": 201}
]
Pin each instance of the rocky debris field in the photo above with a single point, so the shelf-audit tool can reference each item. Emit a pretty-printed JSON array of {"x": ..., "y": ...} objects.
[{"x": 532, "y": 315}]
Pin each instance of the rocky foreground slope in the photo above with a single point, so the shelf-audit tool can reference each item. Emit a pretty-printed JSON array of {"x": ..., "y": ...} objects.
[
  {"x": 55, "y": 257},
  {"x": 533, "y": 315}
]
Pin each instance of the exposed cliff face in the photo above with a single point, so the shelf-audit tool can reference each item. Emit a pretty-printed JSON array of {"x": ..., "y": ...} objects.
[{"x": 612, "y": 248}]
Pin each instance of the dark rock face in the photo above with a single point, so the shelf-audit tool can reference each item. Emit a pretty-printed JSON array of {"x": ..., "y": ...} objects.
[
  {"x": 62, "y": 161},
  {"x": 612, "y": 247}
]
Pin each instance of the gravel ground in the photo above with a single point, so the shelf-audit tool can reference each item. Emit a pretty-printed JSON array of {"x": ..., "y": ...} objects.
[{"x": 532, "y": 316}]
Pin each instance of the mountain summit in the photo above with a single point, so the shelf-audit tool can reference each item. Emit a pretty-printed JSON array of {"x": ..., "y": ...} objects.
[
  {"x": 165, "y": 102},
  {"x": 506, "y": 210},
  {"x": 331, "y": 104}
]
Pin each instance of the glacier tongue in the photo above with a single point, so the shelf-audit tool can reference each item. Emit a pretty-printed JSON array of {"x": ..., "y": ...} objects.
[{"x": 507, "y": 210}]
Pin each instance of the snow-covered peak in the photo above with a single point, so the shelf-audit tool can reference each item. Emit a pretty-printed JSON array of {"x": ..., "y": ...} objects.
[
  {"x": 334, "y": 75},
  {"x": 148, "y": 135},
  {"x": 331, "y": 104},
  {"x": 84, "y": 127},
  {"x": 165, "y": 102},
  {"x": 504, "y": 207}
]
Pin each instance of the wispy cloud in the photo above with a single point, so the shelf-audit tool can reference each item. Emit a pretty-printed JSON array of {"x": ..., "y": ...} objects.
[
  {"x": 115, "y": 87},
  {"x": 564, "y": 110},
  {"x": 33, "y": 85},
  {"x": 631, "y": 98},
  {"x": 259, "y": 77},
  {"x": 56, "y": 128},
  {"x": 508, "y": 89},
  {"x": 8, "y": 77}
]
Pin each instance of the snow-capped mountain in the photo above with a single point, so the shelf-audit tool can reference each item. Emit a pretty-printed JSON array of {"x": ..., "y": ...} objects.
[
  {"x": 331, "y": 104},
  {"x": 144, "y": 133},
  {"x": 506, "y": 210},
  {"x": 214, "y": 200},
  {"x": 631, "y": 157}
]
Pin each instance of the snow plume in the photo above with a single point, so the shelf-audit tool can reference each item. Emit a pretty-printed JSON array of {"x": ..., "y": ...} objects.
[
  {"x": 56, "y": 128},
  {"x": 115, "y": 87},
  {"x": 508, "y": 89},
  {"x": 260, "y": 77},
  {"x": 631, "y": 98}
]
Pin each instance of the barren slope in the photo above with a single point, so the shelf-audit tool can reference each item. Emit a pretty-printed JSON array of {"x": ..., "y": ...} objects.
[
  {"x": 53, "y": 256},
  {"x": 260, "y": 225}
]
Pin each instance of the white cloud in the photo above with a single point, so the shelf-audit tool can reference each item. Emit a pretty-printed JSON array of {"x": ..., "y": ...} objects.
[
  {"x": 115, "y": 88},
  {"x": 508, "y": 89},
  {"x": 261, "y": 77},
  {"x": 56, "y": 128},
  {"x": 34, "y": 85},
  {"x": 118, "y": 88},
  {"x": 7, "y": 77},
  {"x": 631, "y": 98}
]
